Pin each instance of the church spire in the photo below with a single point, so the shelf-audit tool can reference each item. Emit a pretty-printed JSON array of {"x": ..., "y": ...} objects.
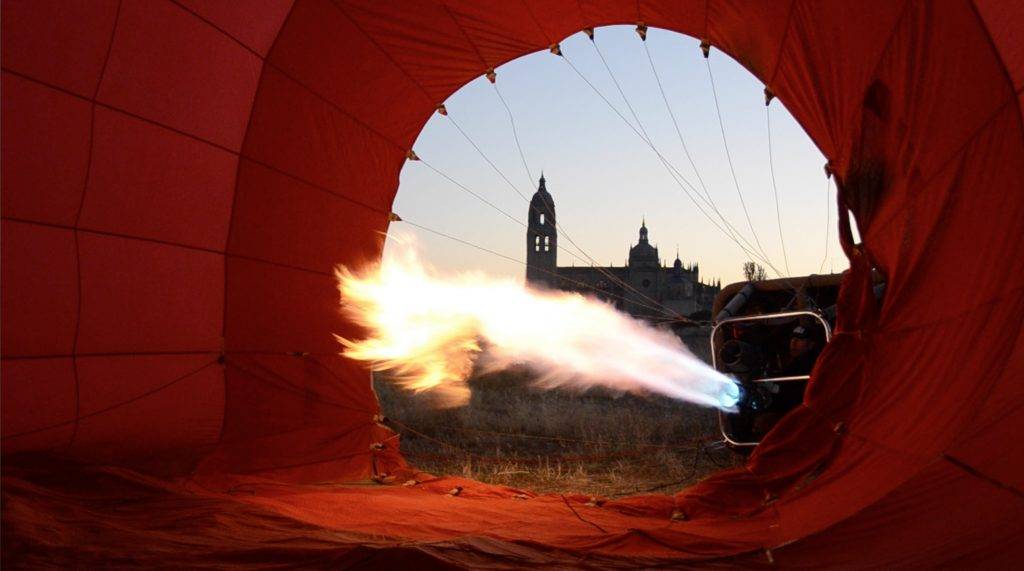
[
  {"x": 541, "y": 238},
  {"x": 643, "y": 231}
]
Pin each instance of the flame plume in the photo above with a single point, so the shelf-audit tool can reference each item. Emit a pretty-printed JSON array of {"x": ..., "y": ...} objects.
[{"x": 430, "y": 331}]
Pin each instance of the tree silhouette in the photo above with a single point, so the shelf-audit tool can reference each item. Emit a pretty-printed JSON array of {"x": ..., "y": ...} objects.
[{"x": 754, "y": 272}]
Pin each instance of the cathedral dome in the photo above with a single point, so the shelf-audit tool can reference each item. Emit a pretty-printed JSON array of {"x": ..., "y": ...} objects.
[{"x": 643, "y": 253}]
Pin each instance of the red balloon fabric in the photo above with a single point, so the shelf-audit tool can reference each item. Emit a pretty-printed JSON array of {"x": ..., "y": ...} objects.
[{"x": 181, "y": 177}]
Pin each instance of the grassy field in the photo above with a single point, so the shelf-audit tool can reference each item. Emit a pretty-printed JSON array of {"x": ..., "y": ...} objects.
[{"x": 596, "y": 442}]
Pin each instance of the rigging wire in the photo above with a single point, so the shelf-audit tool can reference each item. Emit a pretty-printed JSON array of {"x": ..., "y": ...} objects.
[
  {"x": 679, "y": 132},
  {"x": 647, "y": 138},
  {"x": 489, "y": 203},
  {"x": 748, "y": 250},
  {"x": 483, "y": 155},
  {"x": 529, "y": 178},
  {"x": 475, "y": 195},
  {"x": 668, "y": 165},
  {"x": 515, "y": 132},
  {"x": 674, "y": 316},
  {"x": 556, "y": 49},
  {"x": 674, "y": 172},
  {"x": 462, "y": 241},
  {"x": 558, "y": 228},
  {"x": 775, "y": 187},
  {"x": 728, "y": 156},
  {"x": 622, "y": 93},
  {"x": 642, "y": 133},
  {"x": 707, "y": 194}
]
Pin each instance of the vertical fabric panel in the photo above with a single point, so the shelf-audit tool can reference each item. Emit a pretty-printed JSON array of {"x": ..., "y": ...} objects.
[
  {"x": 143, "y": 297},
  {"x": 40, "y": 287},
  {"x": 168, "y": 66},
  {"x": 176, "y": 188},
  {"x": 255, "y": 24},
  {"x": 60, "y": 42},
  {"x": 171, "y": 405},
  {"x": 37, "y": 404},
  {"x": 45, "y": 151}
]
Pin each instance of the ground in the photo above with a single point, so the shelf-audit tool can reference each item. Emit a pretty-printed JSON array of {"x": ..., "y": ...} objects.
[{"x": 596, "y": 442}]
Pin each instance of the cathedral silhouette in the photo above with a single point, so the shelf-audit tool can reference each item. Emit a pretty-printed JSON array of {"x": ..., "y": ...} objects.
[{"x": 637, "y": 288}]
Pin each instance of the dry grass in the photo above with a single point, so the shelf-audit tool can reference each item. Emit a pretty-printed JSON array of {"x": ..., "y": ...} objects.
[{"x": 596, "y": 443}]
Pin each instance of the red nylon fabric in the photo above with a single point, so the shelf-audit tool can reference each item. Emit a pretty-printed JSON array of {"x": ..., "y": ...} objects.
[{"x": 181, "y": 178}]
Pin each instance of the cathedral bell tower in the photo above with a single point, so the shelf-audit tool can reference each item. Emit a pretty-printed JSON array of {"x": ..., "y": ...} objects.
[{"x": 541, "y": 239}]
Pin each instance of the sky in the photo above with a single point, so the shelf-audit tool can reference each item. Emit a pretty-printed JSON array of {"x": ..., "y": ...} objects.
[{"x": 604, "y": 178}]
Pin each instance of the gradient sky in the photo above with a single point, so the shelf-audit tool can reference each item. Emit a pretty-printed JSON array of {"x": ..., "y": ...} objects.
[{"x": 603, "y": 177}]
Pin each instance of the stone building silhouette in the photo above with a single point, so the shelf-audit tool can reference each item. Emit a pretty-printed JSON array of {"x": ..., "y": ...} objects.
[{"x": 631, "y": 288}]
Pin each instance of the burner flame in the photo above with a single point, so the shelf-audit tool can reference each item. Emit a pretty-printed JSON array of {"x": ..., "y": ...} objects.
[{"x": 431, "y": 330}]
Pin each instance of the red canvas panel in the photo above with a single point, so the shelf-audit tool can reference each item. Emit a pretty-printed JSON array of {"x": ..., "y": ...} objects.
[
  {"x": 170, "y": 67},
  {"x": 281, "y": 309},
  {"x": 40, "y": 278},
  {"x": 946, "y": 207},
  {"x": 856, "y": 39},
  {"x": 922, "y": 533},
  {"x": 557, "y": 20},
  {"x": 296, "y": 132},
  {"x": 270, "y": 205},
  {"x": 984, "y": 452},
  {"x": 908, "y": 147},
  {"x": 37, "y": 402},
  {"x": 683, "y": 16},
  {"x": 254, "y": 24},
  {"x": 178, "y": 189},
  {"x": 752, "y": 33},
  {"x": 63, "y": 43},
  {"x": 982, "y": 446},
  {"x": 146, "y": 297},
  {"x": 290, "y": 415},
  {"x": 425, "y": 42},
  {"x": 45, "y": 151},
  {"x": 599, "y": 13},
  {"x": 326, "y": 28},
  {"x": 150, "y": 407},
  {"x": 488, "y": 29},
  {"x": 1002, "y": 20},
  {"x": 357, "y": 391}
]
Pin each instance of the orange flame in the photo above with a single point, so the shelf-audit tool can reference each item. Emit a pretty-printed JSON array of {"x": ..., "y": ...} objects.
[{"x": 428, "y": 329}]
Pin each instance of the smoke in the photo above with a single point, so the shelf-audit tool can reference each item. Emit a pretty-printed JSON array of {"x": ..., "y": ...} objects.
[{"x": 430, "y": 330}]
